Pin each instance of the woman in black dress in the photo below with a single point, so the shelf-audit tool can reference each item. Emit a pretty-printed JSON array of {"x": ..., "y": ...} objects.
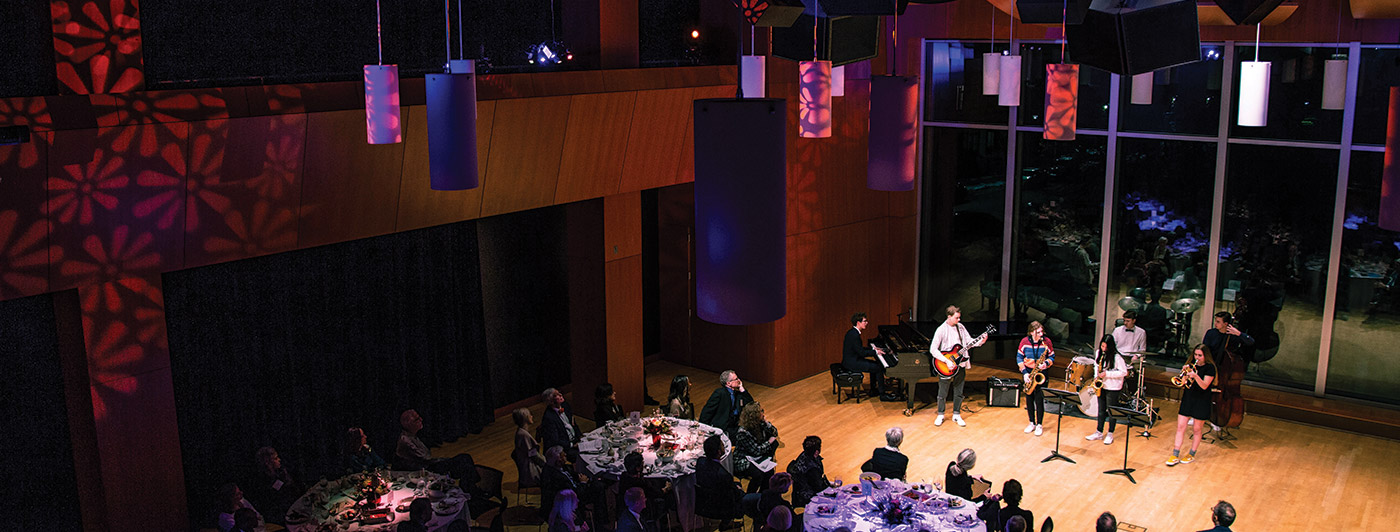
[
  {"x": 958, "y": 480},
  {"x": 1195, "y": 403}
]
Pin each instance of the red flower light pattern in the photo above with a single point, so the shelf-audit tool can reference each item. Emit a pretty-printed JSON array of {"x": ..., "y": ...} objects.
[
  {"x": 31, "y": 111},
  {"x": 24, "y": 256},
  {"x": 97, "y": 45},
  {"x": 71, "y": 197},
  {"x": 753, "y": 9},
  {"x": 814, "y": 113},
  {"x": 124, "y": 330}
]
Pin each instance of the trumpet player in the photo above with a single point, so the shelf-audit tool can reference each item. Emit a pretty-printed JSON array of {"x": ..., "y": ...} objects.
[
  {"x": 1109, "y": 371},
  {"x": 1195, "y": 401},
  {"x": 1029, "y": 359}
]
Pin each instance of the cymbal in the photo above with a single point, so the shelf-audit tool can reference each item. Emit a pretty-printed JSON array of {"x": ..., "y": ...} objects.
[
  {"x": 1186, "y": 305},
  {"x": 1194, "y": 293},
  {"x": 1131, "y": 303}
]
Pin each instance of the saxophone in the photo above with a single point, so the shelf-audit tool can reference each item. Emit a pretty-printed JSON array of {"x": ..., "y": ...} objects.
[
  {"x": 1182, "y": 380},
  {"x": 1035, "y": 377}
]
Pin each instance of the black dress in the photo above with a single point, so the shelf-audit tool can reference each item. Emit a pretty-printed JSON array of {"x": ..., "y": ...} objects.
[{"x": 1195, "y": 401}]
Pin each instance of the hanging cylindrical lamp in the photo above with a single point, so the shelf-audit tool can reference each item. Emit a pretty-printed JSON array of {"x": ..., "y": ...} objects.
[
  {"x": 1334, "y": 83},
  {"x": 382, "y": 123},
  {"x": 1389, "y": 218},
  {"x": 838, "y": 81},
  {"x": 740, "y": 210},
  {"x": 814, "y": 118},
  {"x": 451, "y": 113},
  {"x": 1254, "y": 93},
  {"x": 1142, "y": 89},
  {"x": 754, "y": 75},
  {"x": 893, "y": 129},
  {"x": 1009, "y": 85},
  {"x": 1061, "y": 101},
  {"x": 991, "y": 73}
]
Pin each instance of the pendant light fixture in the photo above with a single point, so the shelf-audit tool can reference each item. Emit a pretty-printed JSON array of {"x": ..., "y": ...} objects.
[
  {"x": 1389, "y": 218},
  {"x": 451, "y": 109},
  {"x": 1009, "y": 84},
  {"x": 752, "y": 68},
  {"x": 890, "y": 162},
  {"x": 382, "y": 123},
  {"x": 1061, "y": 93},
  {"x": 1334, "y": 74},
  {"x": 991, "y": 63},
  {"x": 1254, "y": 89},
  {"x": 814, "y": 94},
  {"x": 740, "y": 209},
  {"x": 838, "y": 81},
  {"x": 1142, "y": 89}
]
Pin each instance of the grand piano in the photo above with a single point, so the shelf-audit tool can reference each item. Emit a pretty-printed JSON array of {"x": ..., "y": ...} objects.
[{"x": 911, "y": 361}]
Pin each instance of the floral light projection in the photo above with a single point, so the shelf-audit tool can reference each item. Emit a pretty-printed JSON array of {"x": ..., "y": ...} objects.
[
  {"x": 24, "y": 256},
  {"x": 1061, "y": 101},
  {"x": 97, "y": 45},
  {"x": 814, "y": 114},
  {"x": 81, "y": 188},
  {"x": 30, "y": 111},
  {"x": 123, "y": 328},
  {"x": 753, "y": 9}
]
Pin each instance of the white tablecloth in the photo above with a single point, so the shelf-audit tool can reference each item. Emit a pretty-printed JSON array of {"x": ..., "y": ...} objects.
[
  {"x": 604, "y": 449},
  {"x": 325, "y": 502},
  {"x": 932, "y": 511}
]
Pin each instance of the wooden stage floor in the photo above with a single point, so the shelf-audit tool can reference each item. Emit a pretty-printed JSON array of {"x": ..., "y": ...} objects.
[{"x": 1279, "y": 475}]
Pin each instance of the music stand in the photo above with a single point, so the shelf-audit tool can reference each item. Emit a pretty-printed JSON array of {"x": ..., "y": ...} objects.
[
  {"x": 1125, "y": 416},
  {"x": 1061, "y": 397}
]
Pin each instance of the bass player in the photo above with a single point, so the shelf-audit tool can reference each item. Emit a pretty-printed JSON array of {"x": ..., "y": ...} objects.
[
  {"x": 1035, "y": 353},
  {"x": 950, "y": 336}
]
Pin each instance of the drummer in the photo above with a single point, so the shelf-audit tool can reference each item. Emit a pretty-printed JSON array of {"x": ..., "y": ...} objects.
[{"x": 1131, "y": 338}]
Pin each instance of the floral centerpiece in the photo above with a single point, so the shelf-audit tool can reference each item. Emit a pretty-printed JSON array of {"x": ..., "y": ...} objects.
[
  {"x": 895, "y": 510},
  {"x": 656, "y": 427},
  {"x": 370, "y": 488}
]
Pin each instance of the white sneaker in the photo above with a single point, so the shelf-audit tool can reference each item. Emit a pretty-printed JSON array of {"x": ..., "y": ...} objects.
[
  {"x": 938, "y": 422},
  {"x": 1038, "y": 430},
  {"x": 958, "y": 419},
  {"x": 1029, "y": 428},
  {"x": 1108, "y": 439},
  {"x": 1190, "y": 422},
  {"x": 1094, "y": 437}
]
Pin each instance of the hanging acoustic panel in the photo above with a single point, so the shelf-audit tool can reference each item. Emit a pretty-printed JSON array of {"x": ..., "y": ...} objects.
[
  {"x": 740, "y": 210},
  {"x": 451, "y": 113},
  {"x": 382, "y": 123},
  {"x": 1061, "y": 101},
  {"x": 893, "y": 130}
]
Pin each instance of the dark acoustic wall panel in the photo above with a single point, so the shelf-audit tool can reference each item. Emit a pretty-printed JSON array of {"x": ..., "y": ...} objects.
[
  {"x": 1136, "y": 36},
  {"x": 27, "y": 38},
  {"x": 841, "y": 40},
  {"x": 41, "y": 490}
]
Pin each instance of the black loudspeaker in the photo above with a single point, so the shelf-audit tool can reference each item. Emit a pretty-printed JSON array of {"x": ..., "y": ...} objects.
[
  {"x": 1051, "y": 11},
  {"x": 1003, "y": 392},
  {"x": 1248, "y": 12},
  {"x": 781, "y": 13},
  {"x": 1135, "y": 36},
  {"x": 846, "y": 8},
  {"x": 841, "y": 40}
]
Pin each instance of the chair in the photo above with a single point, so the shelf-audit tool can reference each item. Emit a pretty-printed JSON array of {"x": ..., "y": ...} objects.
[
  {"x": 487, "y": 494},
  {"x": 1048, "y": 525},
  {"x": 525, "y": 480},
  {"x": 843, "y": 379}
]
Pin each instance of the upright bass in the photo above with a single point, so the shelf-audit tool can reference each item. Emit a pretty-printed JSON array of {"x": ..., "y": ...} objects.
[{"x": 1228, "y": 410}]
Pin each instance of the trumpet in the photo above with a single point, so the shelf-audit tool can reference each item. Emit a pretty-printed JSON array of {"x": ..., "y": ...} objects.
[{"x": 1183, "y": 380}]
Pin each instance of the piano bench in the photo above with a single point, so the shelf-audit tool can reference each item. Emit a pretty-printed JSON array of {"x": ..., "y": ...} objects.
[{"x": 850, "y": 382}]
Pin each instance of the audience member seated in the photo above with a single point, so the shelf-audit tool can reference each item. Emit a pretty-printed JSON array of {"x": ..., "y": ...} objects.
[
  {"x": 271, "y": 487},
  {"x": 678, "y": 403},
  {"x": 411, "y": 454},
  {"x": 557, "y": 425},
  {"x": 564, "y": 514},
  {"x": 722, "y": 409},
  {"x": 556, "y": 476},
  {"x": 778, "y": 486},
  {"x": 629, "y": 515},
  {"x": 230, "y": 501},
  {"x": 605, "y": 407},
  {"x": 957, "y": 480},
  {"x": 887, "y": 461},
  {"x": 1222, "y": 515},
  {"x": 716, "y": 493},
  {"x": 1016, "y": 524},
  {"x": 245, "y": 520},
  {"x": 808, "y": 472},
  {"x": 756, "y": 441},
  {"x": 528, "y": 460},
  {"x": 356, "y": 455},
  {"x": 632, "y": 477},
  {"x": 1106, "y": 523},
  {"x": 420, "y": 512},
  {"x": 996, "y": 515},
  {"x": 779, "y": 520}
]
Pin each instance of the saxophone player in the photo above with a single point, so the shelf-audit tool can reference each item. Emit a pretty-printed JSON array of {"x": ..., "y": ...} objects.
[
  {"x": 1109, "y": 372},
  {"x": 1029, "y": 360}
]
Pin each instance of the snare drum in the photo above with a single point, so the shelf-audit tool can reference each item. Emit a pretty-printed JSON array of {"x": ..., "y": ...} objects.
[{"x": 1080, "y": 372}]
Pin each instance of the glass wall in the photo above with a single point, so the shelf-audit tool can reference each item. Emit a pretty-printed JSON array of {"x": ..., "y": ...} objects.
[
  {"x": 1094, "y": 86},
  {"x": 1380, "y": 70},
  {"x": 953, "y": 84},
  {"x": 967, "y": 213},
  {"x": 1185, "y": 99},
  {"x": 1059, "y": 222},
  {"x": 1161, "y": 237},
  {"x": 1367, "y": 323},
  {"x": 1295, "y": 95}
]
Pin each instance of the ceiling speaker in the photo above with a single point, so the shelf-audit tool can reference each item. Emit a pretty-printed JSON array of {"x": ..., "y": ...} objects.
[
  {"x": 1051, "y": 11},
  {"x": 1247, "y": 12},
  {"x": 1134, "y": 36},
  {"x": 841, "y": 40}
]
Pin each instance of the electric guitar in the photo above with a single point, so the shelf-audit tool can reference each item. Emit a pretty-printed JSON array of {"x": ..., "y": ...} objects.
[{"x": 957, "y": 354}]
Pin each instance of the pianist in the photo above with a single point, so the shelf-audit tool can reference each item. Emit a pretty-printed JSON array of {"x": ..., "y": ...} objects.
[{"x": 853, "y": 354}]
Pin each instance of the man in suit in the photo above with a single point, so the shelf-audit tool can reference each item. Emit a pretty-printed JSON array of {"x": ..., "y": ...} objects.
[
  {"x": 629, "y": 519},
  {"x": 716, "y": 494},
  {"x": 722, "y": 410},
  {"x": 557, "y": 425},
  {"x": 888, "y": 461},
  {"x": 1223, "y": 515},
  {"x": 853, "y": 354}
]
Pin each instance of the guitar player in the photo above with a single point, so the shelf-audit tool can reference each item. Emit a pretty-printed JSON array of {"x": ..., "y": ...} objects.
[{"x": 950, "y": 336}]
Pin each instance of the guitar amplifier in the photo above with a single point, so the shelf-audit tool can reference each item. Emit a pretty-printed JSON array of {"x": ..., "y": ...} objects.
[{"x": 1003, "y": 392}]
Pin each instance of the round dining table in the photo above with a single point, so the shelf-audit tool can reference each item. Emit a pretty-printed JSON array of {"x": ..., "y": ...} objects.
[
  {"x": 890, "y": 505},
  {"x": 331, "y": 505},
  {"x": 669, "y": 456}
]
